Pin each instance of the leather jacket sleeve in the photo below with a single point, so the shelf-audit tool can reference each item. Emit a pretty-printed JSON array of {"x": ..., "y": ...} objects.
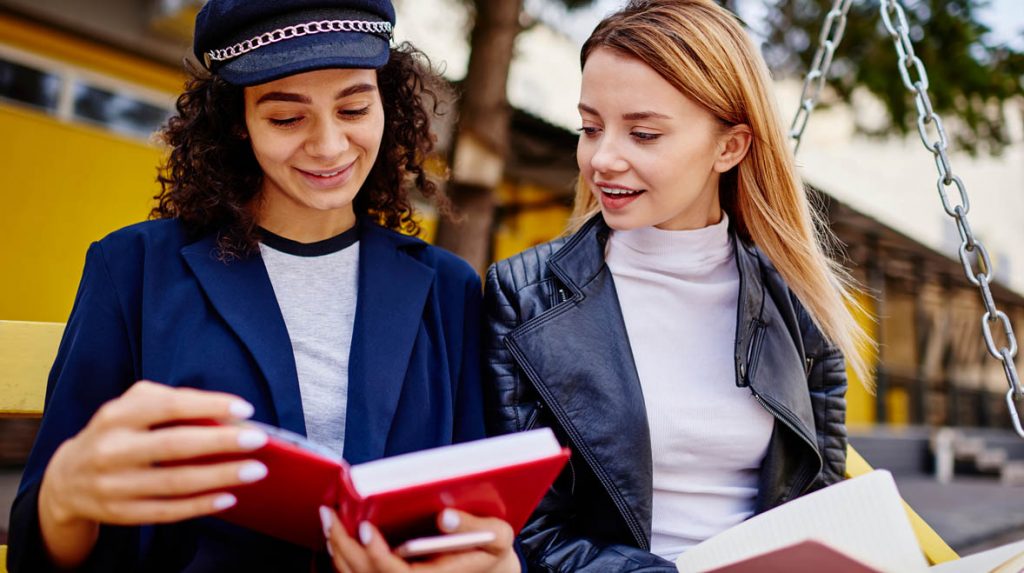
[
  {"x": 826, "y": 380},
  {"x": 548, "y": 541}
]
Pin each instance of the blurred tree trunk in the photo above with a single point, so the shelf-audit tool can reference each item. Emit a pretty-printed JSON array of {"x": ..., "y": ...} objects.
[{"x": 481, "y": 139}]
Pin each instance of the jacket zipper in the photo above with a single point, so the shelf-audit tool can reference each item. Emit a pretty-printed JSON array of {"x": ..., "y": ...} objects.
[{"x": 753, "y": 353}]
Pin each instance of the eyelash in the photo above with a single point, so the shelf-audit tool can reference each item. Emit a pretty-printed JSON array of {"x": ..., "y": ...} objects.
[
  {"x": 640, "y": 136},
  {"x": 346, "y": 113}
]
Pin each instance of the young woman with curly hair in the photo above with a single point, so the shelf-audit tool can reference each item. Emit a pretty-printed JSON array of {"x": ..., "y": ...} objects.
[{"x": 273, "y": 284}]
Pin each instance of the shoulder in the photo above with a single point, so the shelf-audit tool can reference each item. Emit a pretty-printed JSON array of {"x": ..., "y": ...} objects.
[
  {"x": 449, "y": 268},
  {"x": 526, "y": 268},
  {"x": 140, "y": 238}
]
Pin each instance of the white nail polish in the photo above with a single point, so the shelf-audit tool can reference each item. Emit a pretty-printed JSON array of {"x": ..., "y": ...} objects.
[
  {"x": 449, "y": 520},
  {"x": 365, "y": 533},
  {"x": 252, "y": 439},
  {"x": 252, "y": 471},
  {"x": 240, "y": 409},
  {"x": 326, "y": 522},
  {"x": 224, "y": 501}
]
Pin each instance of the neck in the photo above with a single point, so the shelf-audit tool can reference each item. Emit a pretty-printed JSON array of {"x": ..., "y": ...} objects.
[{"x": 307, "y": 228}]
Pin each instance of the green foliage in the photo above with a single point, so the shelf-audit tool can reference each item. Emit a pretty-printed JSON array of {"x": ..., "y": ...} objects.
[{"x": 969, "y": 78}]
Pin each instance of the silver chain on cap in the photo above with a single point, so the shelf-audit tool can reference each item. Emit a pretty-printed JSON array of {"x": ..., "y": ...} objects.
[{"x": 295, "y": 31}]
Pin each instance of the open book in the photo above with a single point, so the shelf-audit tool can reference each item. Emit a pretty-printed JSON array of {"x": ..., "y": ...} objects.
[
  {"x": 503, "y": 477},
  {"x": 856, "y": 526}
]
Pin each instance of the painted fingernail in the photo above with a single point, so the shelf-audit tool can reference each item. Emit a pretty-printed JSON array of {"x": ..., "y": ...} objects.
[
  {"x": 241, "y": 409},
  {"x": 252, "y": 471},
  {"x": 449, "y": 520},
  {"x": 325, "y": 522},
  {"x": 252, "y": 439},
  {"x": 365, "y": 533},
  {"x": 224, "y": 501}
]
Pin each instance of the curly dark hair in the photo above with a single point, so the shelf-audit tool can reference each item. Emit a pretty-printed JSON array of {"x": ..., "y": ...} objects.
[{"x": 211, "y": 176}]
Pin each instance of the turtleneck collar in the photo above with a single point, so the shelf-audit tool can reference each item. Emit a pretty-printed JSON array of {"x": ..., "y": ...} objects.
[{"x": 676, "y": 252}]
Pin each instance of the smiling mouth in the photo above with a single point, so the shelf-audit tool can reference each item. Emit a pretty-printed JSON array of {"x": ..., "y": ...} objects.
[
  {"x": 326, "y": 174},
  {"x": 619, "y": 191}
]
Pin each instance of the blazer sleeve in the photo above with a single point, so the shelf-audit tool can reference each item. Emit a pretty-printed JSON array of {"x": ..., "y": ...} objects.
[
  {"x": 547, "y": 542},
  {"x": 94, "y": 364}
]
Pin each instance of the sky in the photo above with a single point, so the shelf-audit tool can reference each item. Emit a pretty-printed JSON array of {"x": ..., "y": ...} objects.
[{"x": 1005, "y": 17}]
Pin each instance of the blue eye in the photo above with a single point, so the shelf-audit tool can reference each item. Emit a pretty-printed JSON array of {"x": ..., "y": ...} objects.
[
  {"x": 588, "y": 130},
  {"x": 645, "y": 136}
]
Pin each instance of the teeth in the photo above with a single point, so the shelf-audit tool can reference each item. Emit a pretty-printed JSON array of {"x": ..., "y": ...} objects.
[
  {"x": 612, "y": 191},
  {"x": 326, "y": 175}
]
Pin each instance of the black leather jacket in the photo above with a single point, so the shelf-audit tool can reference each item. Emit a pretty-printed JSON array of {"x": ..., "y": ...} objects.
[{"x": 558, "y": 355}]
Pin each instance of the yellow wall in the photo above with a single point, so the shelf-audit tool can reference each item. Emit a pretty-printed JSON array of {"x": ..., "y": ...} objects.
[
  {"x": 63, "y": 186},
  {"x": 531, "y": 226},
  {"x": 860, "y": 402}
]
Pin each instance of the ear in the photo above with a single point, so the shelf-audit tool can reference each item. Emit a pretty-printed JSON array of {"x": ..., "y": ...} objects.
[{"x": 733, "y": 146}]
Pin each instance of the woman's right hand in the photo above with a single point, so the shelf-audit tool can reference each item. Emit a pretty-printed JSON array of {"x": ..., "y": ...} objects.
[{"x": 120, "y": 470}]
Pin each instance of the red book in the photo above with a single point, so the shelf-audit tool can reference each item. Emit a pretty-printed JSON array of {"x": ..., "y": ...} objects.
[
  {"x": 809, "y": 555},
  {"x": 504, "y": 477}
]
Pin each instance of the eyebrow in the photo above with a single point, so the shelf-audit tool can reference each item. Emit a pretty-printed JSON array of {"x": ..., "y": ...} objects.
[
  {"x": 633, "y": 116},
  {"x": 299, "y": 98}
]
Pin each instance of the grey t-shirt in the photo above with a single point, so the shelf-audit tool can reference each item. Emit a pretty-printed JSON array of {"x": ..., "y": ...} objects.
[{"x": 316, "y": 286}]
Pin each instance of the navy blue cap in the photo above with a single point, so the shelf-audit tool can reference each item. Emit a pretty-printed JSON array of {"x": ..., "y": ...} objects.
[{"x": 249, "y": 42}]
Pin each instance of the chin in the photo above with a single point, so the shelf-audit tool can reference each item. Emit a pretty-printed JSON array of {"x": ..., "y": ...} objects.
[{"x": 622, "y": 222}]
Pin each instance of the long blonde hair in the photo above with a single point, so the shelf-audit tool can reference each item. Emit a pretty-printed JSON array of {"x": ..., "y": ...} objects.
[{"x": 701, "y": 49}]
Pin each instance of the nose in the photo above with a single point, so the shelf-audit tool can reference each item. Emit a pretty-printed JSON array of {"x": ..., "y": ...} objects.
[
  {"x": 327, "y": 140},
  {"x": 606, "y": 156}
]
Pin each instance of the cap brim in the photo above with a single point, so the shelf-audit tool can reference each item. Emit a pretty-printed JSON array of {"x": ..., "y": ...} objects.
[{"x": 306, "y": 54}]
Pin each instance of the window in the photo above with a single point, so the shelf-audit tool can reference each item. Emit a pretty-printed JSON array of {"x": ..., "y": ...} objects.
[
  {"x": 29, "y": 85},
  {"x": 83, "y": 97},
  {"x": 117, "y": 111}
]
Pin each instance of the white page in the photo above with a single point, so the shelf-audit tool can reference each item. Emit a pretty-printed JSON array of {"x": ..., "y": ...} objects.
[
  {"x": 980, "y": 562},
  {"x": 450, "y": 461},
  {"x": 862, "y": 517}
]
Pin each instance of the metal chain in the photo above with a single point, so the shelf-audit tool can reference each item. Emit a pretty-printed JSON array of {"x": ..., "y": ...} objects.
[
  {"x": 288, "y": 32},
  {"x": 935, "y": 140},
  {"x": 831, "y": 34},
  {"x": 915, "y": 79}
]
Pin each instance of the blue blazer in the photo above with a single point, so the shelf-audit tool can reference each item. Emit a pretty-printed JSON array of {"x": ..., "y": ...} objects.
[{"x": 155, "y": 305}]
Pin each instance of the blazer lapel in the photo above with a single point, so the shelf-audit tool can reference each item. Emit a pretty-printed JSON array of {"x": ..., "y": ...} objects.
[
  {"x": 393, "y": 289},
  {"x": 241, "y": 292},
  {"x": 577, "y": 355}
]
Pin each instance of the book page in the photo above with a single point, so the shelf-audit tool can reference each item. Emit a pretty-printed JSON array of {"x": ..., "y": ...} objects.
[
  {"x": 862, "y": 517},
  {"x": 981, "y": 562},
  {"x": 452, "y": 461}
]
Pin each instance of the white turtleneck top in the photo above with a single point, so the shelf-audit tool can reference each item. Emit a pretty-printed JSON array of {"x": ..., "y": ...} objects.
[{"x": 679, "y": 292}]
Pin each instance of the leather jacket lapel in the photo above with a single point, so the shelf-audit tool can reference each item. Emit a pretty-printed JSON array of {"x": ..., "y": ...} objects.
[
  {"x": 770, "y": 360},
  {"x": 577, "y": 355}
]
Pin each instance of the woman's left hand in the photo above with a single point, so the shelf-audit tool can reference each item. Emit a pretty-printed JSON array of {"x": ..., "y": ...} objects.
[{"x": 371, "y": 554}]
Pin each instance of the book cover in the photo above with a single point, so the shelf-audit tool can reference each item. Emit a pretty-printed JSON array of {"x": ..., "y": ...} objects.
[{"x": 504, "y": 477}]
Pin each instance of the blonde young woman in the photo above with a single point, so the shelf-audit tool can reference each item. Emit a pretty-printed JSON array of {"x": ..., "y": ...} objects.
[{"x": 687, "y": 339}]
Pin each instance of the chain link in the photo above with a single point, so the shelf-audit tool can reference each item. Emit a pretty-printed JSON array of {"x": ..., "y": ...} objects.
[
  {"x": 899, "y": 30},
  {"x": 296, "y": 31},
  {"x": 831, "y": 34}
]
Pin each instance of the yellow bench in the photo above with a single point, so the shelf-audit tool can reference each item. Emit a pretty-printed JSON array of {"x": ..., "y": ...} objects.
[{"x": 27, "y": 350}]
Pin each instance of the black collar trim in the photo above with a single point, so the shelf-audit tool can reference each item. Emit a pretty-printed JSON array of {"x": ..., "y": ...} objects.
[{"x": 317, "y": 249}]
